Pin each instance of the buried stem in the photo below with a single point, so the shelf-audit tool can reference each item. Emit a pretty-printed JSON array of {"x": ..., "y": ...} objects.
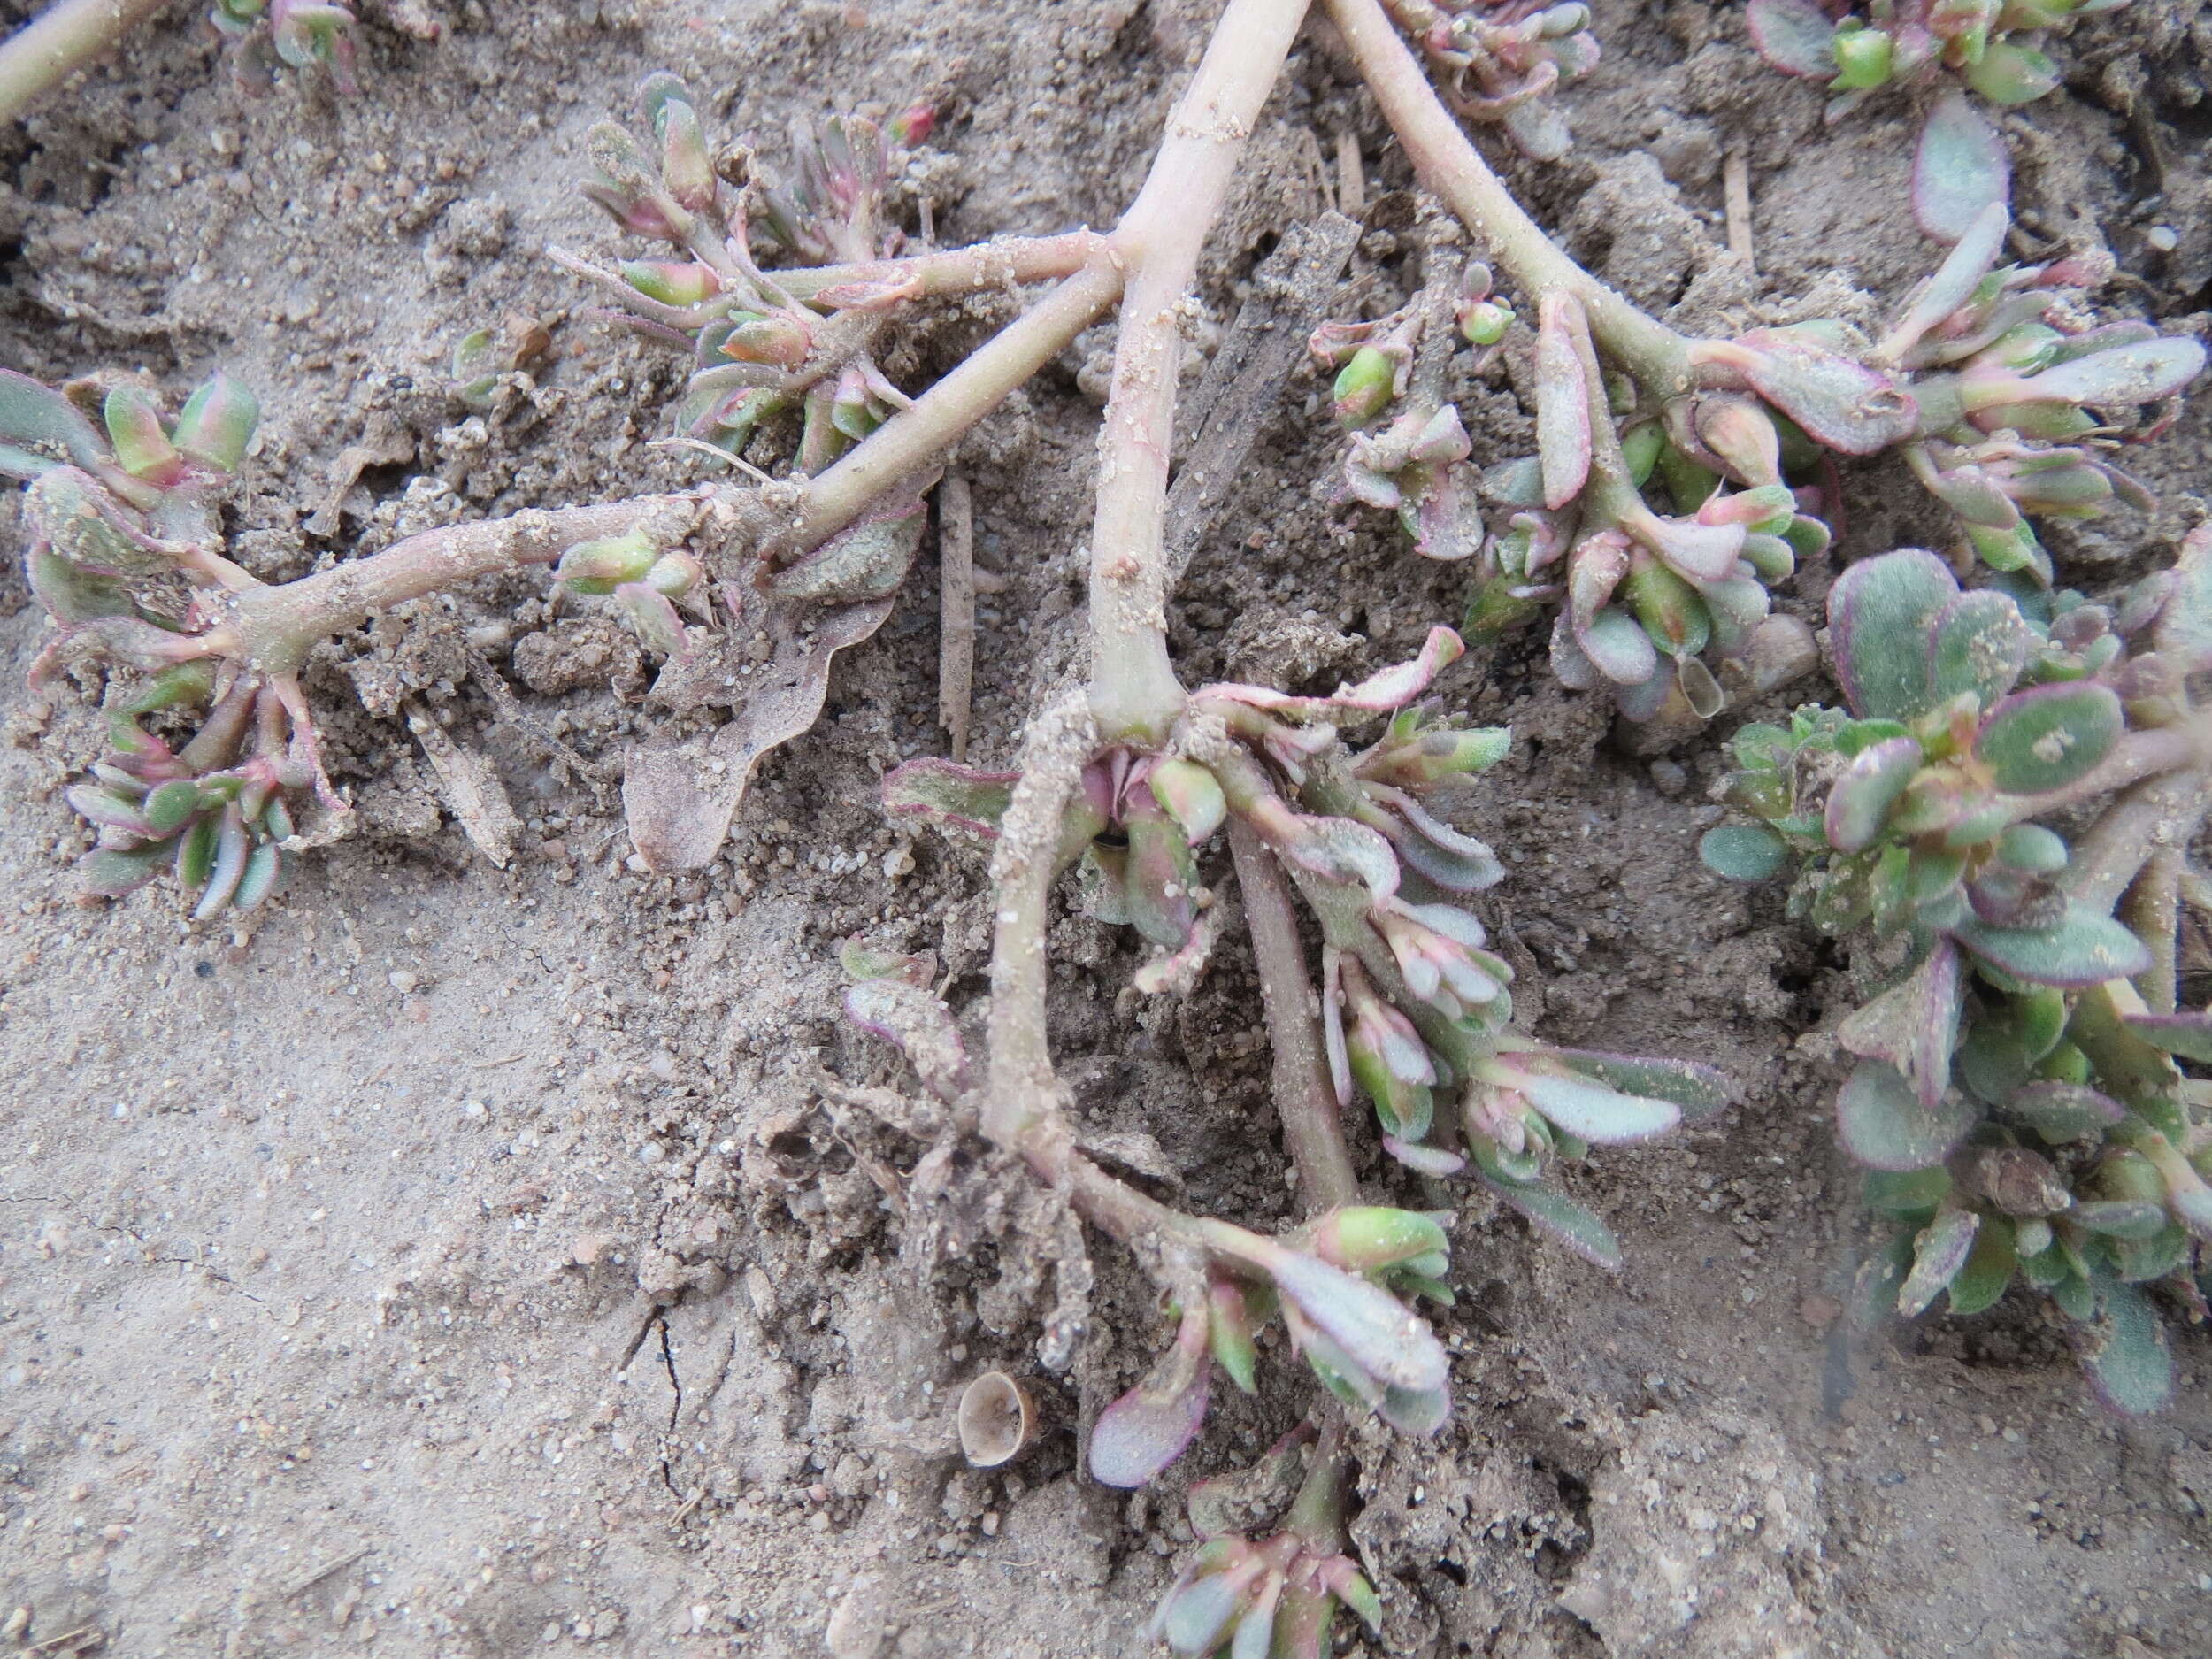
[
  {"x": 1449, "y": 165},
  {"x": 1305, "y": 1098},
  {"x": 60, "y": 41}
]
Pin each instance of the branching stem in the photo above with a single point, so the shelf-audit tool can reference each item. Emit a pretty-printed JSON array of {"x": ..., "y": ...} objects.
[
  {"x": 1447, "y": 163},
  {"x": 1001, "y": 263},
  {"x": 1134, "y": 693}
]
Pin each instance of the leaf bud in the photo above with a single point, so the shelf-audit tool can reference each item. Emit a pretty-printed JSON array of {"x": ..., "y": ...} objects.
[
  {"x": 217, "y": 423},
  {"x": 1191, "y": 796},
  {"x": 1484, "y": 322},
  {"x": 1667, "y": 607},
  {"x": 1364, "y": 386},
  {"x": 672, "y": 575},
  {"x": 671, "y": 282},
  {"x": 134, "y": 425},
  {"x": 602, "y": 566},
  {"x": 1863, "y": 56}
]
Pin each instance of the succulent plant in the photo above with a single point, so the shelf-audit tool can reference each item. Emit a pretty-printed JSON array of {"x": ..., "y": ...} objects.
[
  {"x": 303, "y": 33},
  {"x": 1993, "y": 47},
  {"x": 1275, "y": 1599},
  {"x": 1501, "y": 60},
  {"x": 2016, "y": 1097},
  {"x": 759, "y": 349}
]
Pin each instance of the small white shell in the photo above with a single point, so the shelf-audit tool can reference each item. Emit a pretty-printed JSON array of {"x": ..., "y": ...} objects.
[{"x": 997, "y": 1419}]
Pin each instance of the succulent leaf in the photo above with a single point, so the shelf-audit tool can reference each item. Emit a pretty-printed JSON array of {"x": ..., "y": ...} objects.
[
  {"x": 1884, "y": 1125},
  {"x": 1959, "y": 172}
]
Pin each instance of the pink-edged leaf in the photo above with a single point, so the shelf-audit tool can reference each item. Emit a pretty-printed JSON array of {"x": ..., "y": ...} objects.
[
  {"x": 1880, "y": 615},
  {"x": 1882, "y": 1125},
  {"x": 1697, "y": 552},
  {"x": 1333, "y": 1023},
  {"x": 1795, "y": 36},
  {"x": 1594, "y": 1112},
  {"x": 1913, "y": 1026},
  {"x": 945, "y": 793},
  {"x": 1960, "y": 172},
  {"x": 1395, "y": 686},
  {"x": 1433, "y": 1162},
  {"x": 1617, "y": 645},
  {"x": 1940, "y": 1251},
  {"x": 1973, "y": 257},
  {"x": 2141, "y": 373},
  {"x": 1698, "y": 1090},
  {"x": 1872, "y": 784},
  {"x": 1151, "y": 1425},
  {"x": 2188, "y": 1034},
  {"x": 1562, "y": 402},
  {"x": 912, "y": 1020},
  {"x": 2066, "y": 1112},
  {"x": 1839, "y": 402},
  {"x": 1391, "y": 1345}
]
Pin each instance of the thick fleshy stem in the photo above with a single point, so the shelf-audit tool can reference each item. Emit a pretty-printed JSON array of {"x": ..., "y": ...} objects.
[
  {"x": 2152, "y": 910},
  {"x": 2158, "y": 814},
  {"x": 271, "y": 628},
  {"x": 1449, "y": 165},
  {"x": 62, "y": 39},
  {"x": 948, "y": 273},
  {"x": 1313, "y": 1128},
  {"x": 1134, "y": 693},
  {"x": 1317, "y": 1514}
]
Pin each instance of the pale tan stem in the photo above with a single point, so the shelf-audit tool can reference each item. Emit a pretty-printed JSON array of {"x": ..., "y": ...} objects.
[
  {"x": 60, "y": 41},
  {"x": 2152, "y": 910},
  {"x": 913, "y": 438},
  {"x": 1134, "y": 693},
  {"x": 2158, "y": 813},
  {"x": 1003, "y": 263},
  {"x": 1447, "y": 163},
  {"x": 272, "y": 628}
]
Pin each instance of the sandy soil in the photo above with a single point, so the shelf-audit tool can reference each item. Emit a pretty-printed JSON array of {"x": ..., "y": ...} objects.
[{"x": 473, "y": 1261}]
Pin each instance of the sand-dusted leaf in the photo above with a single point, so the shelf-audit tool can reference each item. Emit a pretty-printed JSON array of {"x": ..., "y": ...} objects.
[
  {"x": 1552, "y": 1211},
  {"x": 1591, "y": 1111},
  {"x": 1913, "y": 1024},
  {"x": 2060, "y": 1111},
  {"x": 108, "y": 873},
  {"x": 1743, "y": 852},
  {"x": 1987, "y": 1270},
  {"x": 2048, "y": 737},
  {"x": 1871, "y": 785},
  {"x": 1562, "y": 401},
  {"x": 1841, "y": 403},
  {"x": 2084, "y": 949},
  {"x": 1980, "y": 645},
  {"x": 1961, "y": 173},
  {"x": 2124, "y": 1350},
  {"x": 913, "y": 1019},
  {"x": 2141, "y": 372},
  {"x": 32, "y": 413},
  {"x": 1149, "y": 1427},
  {"x": 2134, "y": 1218},
  {"x": 1880, "y": 613},
  {"x": 1698, "y": 1090},
  {"x": 2182, "y": 631},
  {"x": 1162, "y": 877},
  {"x": 1938, "y": 1251},
  {"x": 1884, "y": 1125},
  {"x": 1391, "y": 1344},
  {"x": 1395, "y": 686},
  {"x": 2188, "y": 1034},
  {"x": 946, "y": 794},
  {"x": 1619, "y": 648},
  {"x": 1795, "y": 36}
]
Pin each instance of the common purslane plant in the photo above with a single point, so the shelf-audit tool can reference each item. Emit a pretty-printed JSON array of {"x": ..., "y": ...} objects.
[
  {"x": 303, "y": 33},
  {"x": 2015, "y": 1100},
  {"x": 1993, "y": 46},
  {"x": 1501, "y": 61},
  {"x": 1675, "y": 480}
]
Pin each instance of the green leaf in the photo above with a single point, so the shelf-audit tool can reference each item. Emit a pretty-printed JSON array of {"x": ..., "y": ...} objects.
[
  {"x": 1743, "y": 852},
  {"x": 1960, "y": 170},
  {"x": 2045, "y": 739},
  {"x": 2083, "y": 949},
  {"x": 1795, "y": 36},
  {"x": 1884, "y": 1125},
  {"x": 946, "y": 794},
  {"x": 1939, "y": 1252},
  {"x": 1906, "y": 1192},
  {"x": 2060, "y": 1112},
  {"x": 1880, "y": 613},
  {"x": 1981, "y": 645},
  {"x": 2188, "y": 1034},
  {"x": 2008, "y": 73},
  {"x": 1597, "y": 1114},
  {"x": 2125, "y": 1349},
  {"x": 1869, "y": 786},
  {"x": 32, "y": 413},
  {"x": 1558, "y": 1214},
  {"x": 1988, "y": 1270}
]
